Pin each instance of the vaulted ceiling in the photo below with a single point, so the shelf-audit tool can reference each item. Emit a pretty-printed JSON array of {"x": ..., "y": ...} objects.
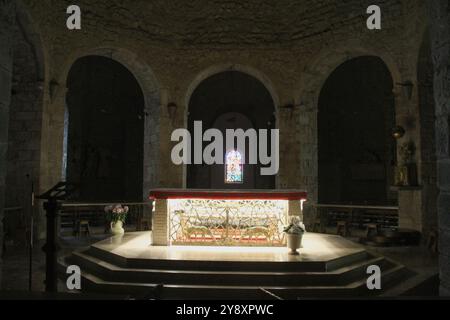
[{"x": 203, "y": 22}]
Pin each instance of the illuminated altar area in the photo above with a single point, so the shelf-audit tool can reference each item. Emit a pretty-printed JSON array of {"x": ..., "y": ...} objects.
[
  {"x": 223, "y": 217},
  {"x": 227, "y": 245}
]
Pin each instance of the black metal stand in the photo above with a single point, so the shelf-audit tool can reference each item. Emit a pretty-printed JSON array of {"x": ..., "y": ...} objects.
[
  {"x": 30, "y": 256},
  {"x": 51, "y": 247},
  {"x": 31, "y": 235},
  {"x": 59, "y": 192}
]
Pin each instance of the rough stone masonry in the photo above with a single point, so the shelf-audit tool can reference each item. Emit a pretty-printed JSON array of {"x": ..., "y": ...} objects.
[
  {"x": 7, "y": 11},
  {"x": 292, "y": 47},
  {"x": 440, "y": 26}
]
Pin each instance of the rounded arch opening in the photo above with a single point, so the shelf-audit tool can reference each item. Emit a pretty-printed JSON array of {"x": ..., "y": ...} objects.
[
  {"x": 230, "y": 100},
  {"x": 356, "y": 151},
  {"x": 220, "y": 68},
  {"x": 104, "y": 131},
  {"x": 53, "y": 139}
]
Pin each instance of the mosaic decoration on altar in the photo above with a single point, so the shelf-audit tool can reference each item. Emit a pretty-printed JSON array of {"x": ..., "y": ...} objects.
[
  {"x": 227, "y": 222},
  {"x": 234, "y": 171}
]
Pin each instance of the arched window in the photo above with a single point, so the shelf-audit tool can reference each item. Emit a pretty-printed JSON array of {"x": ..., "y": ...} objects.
[{"x": 234, "y": 169}]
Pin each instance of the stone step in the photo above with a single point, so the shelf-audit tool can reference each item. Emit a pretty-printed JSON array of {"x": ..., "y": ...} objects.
[
  {"x": 356, "y": 289},
  {"x": 111, "y": 272},
  {"x": 411, "y": 284},
  {"x": 204, "y": 265},
  {"x": 329, "y": 267},
  {"x": 94, "y": 283}
]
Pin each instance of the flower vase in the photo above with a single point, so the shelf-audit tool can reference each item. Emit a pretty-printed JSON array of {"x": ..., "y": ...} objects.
[
  {"x": 117, "y": 228},
  {"x": 294, "y": 242}
]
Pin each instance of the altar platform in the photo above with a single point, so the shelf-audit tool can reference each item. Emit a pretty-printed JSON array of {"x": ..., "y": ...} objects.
[
  {"x": 328, "y": 266},
  {"x": 318, "y": 249}
]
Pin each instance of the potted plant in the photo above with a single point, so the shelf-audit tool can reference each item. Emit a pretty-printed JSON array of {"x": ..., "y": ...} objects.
[
  {"x": 294, "y": 232},
  {"x": 116, "y": 215}
]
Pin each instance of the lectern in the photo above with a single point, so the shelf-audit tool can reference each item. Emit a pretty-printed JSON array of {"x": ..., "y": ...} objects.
[{"x": 59, "y": 192}]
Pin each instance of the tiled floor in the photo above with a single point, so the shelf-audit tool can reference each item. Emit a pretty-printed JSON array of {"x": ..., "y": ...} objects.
[{"x": 16, "y": 263}]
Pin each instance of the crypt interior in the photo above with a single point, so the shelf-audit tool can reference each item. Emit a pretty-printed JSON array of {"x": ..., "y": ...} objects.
[{"x": 364, "y": 137}]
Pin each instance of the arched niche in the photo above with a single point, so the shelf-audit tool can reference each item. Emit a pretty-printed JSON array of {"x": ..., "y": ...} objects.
[
  {"x": 356, "y": 150},
  {"x": 104, "y": 131},
  {"x": 149, "y": 85},
  {"x": 230, "y": 100}
]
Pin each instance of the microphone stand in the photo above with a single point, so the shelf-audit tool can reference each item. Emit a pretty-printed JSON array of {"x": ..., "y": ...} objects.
[{"x": 31, "y": 244}]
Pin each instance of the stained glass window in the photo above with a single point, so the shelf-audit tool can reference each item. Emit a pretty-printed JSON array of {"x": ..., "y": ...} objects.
[{"x": 234, "y": 169}]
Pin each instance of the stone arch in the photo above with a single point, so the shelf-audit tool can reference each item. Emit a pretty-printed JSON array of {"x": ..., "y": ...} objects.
[
  {"x": 318, "y": 70},
  {"x": 142, "y": 72},
  {"x": 307, "y": 95},
  {"x": 356, "y": 150},
  {"x": 151, "y": 90},
  {"x": 215, "y": 69},
  {"x": 31, "y": 32},
  {"x": 221, "y": 68}
]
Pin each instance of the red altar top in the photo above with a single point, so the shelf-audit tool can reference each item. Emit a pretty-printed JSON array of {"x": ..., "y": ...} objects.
[{"x": 228, "y": 194}]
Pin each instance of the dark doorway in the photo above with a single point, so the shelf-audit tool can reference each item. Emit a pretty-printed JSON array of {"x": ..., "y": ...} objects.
[
  {"x": 230, "y": 100},
  {"x": 356, "y": 150},
  {"x": 105, "y": 130}
]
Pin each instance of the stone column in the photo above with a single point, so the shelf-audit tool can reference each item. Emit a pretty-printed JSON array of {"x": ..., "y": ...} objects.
[
  {"x": 439, "y": 17},
  {"x": 308, "y": 162},
  {"x": 160, "y": 223},
  {"x": 410, "y": 212},
  {"x": 6, "y": 24},
  {"x": 295, "y": 208}
]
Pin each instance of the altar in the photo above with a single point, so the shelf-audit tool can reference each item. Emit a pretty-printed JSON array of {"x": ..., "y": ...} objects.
[{"x": 223, "y": 217}]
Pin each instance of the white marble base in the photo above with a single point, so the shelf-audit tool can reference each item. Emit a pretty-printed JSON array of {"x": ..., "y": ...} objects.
[{"x": 316, "y": 247}]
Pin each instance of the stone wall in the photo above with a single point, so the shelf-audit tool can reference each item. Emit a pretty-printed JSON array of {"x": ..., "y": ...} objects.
[
  {"x": 24, "y": 136},
  {"x": 178, "y": 46},
  {"x": 7, "y": 19},
  {"x": 290, "y": 46},
  {"x": 428, "y": 167},
  {"x": 439, "y": 11},
  {"x": 415, "y": 114}
]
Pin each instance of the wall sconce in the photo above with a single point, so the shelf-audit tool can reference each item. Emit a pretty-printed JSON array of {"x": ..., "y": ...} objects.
[
  {"x": 172, "y": 110},
  {"x": 288, "y": 109},
  {"x": 407, "y": 88},
  {"x": 52, "y": 87},
  {"x": 398, "y": 132}
]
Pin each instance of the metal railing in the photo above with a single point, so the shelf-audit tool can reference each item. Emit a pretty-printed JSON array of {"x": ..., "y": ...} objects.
[
  {"x": 71, "y": 213},
  {"x": 11, "y": 209},
  {"x": 358, "y": 215}
]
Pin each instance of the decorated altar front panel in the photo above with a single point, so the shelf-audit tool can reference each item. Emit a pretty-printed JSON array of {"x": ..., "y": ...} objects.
[
  {"x": 223, "y": 217},
  {"x": 227, "y": 222}
]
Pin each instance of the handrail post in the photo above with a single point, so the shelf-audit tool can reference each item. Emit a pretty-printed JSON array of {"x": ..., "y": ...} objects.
[{"x": 51, "y": 247}]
